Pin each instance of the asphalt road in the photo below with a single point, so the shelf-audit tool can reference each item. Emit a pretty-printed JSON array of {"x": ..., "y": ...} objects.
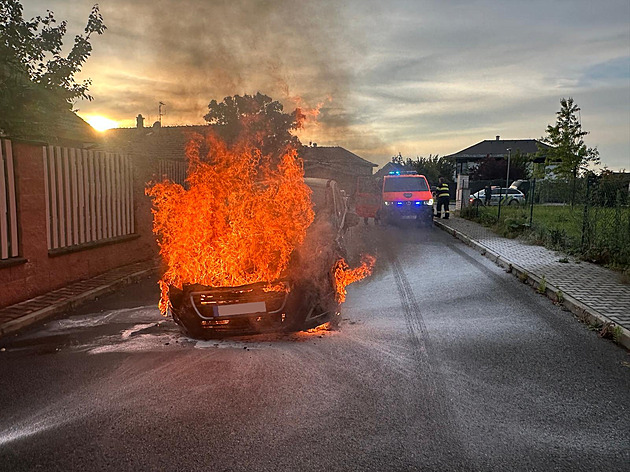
[{"x": 442, "y": 362}]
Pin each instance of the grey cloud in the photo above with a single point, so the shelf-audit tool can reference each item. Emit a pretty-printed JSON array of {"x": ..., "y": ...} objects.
[{"x": 431, "y": 74}]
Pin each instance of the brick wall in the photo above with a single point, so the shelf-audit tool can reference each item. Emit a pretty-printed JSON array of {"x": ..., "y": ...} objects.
[{"x": 41, "y": 272}]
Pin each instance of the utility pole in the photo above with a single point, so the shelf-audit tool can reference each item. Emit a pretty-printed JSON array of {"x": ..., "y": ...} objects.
[{"x": 507, "y": 182}]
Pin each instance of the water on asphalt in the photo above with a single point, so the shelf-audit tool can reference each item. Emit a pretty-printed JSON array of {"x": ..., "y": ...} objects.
[{"x": 442, "y": 362}]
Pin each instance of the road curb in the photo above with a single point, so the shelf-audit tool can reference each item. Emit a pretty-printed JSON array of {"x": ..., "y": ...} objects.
[
  {"x": 13, "y": 326},
  {"x": 582, "y": 311}
]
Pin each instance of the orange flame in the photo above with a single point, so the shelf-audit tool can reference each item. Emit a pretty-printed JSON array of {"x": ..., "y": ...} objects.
[
  {"x": 238, "y": 222},
  {"x": 344, "y": 275},
  {"x": 310, "y": 113}
]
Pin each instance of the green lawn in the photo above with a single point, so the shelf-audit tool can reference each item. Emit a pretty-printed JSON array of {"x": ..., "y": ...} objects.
[{"x": 605, "y": 238}]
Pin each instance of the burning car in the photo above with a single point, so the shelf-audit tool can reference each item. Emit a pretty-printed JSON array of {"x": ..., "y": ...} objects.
[{"x": 307, "y": 293}]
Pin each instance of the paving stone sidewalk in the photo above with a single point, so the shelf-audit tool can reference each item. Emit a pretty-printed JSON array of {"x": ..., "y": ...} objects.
[
  {"x": 585, "y": 287},
  {"x": 23, "y": 314}
]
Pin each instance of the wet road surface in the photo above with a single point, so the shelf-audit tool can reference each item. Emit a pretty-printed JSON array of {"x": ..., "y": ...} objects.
[{"x": 442, "y": 362}]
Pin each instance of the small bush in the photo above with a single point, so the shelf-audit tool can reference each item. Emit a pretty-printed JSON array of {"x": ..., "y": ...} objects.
[
  {"x": 559, "y": 296},
  {"x": 542, "y": 286}
]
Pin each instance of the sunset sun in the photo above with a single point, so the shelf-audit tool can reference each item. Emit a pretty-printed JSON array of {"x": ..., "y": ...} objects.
[{"x": 100, "y": 123}]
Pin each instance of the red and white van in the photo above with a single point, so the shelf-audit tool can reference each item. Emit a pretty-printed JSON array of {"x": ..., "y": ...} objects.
[{"x": 406, "y": 196}]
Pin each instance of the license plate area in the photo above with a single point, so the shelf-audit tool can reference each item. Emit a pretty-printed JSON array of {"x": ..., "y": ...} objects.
[{"x": 240, "y": 309}]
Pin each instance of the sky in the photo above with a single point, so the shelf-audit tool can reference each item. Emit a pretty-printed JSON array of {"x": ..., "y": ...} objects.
[{"x": 413, "y": 77}]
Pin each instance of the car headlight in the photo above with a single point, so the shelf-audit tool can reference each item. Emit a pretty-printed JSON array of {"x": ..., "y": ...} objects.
[
  {"x": 388, "y": 203},
  {"x": 429, "y": 202}
]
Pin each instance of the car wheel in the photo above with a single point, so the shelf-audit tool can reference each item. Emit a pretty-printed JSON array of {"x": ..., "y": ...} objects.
[
  {"x": 513, "y": 202},
  {"x": 297, "y": 308},
  {"x": 335, "y": 321},
  {"x": 189, "y": 327}
]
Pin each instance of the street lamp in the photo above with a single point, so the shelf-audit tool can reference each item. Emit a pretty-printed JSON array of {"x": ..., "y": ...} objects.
[{"x": 507, "y": 182}]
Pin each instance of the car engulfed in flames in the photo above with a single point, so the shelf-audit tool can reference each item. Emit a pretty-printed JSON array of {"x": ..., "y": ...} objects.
[{"x": 251, "y": 245}]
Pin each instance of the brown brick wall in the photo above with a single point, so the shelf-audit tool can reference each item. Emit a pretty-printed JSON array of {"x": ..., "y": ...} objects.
[{"x": 42, "y": 273}]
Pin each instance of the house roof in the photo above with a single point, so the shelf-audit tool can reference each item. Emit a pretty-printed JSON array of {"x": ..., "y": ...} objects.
[
  {"x": 44, "y": 118},
  {"x": 498, "y": 148},
  {"x": 387, "y": 168},
  {"x": 70, "y": 126},
  {"x": 332, "y": 155},
  {"x": 169, "y": 142},
  {"x": 161, "y": 142}
]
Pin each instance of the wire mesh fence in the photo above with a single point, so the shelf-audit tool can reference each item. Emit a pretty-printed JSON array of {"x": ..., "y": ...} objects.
[{"x": 589, "y": 217}]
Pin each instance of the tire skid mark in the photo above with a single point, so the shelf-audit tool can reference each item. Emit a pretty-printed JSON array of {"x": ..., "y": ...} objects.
[{"x": 437, "y": 395}]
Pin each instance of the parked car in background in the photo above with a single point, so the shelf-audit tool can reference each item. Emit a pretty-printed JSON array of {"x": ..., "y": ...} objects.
[
  {"x": 522, "y": 185},
  {"x": 514, "y": 197}
]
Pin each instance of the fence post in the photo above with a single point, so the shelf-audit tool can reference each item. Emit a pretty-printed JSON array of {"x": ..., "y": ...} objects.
[
  {"x": 585, "y": 222},
  {"x": 531, "y": 209}
]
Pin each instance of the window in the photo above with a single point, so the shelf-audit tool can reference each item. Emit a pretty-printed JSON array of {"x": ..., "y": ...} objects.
[{"x": 405, "y": 184}]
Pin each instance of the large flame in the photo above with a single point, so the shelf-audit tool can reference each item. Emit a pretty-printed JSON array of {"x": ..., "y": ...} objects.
[
  {"x": 238, "y": 222},
  {"x": 344, "y": 275}
]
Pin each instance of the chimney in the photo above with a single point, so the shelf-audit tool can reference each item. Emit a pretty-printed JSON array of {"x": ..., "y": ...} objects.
[
  {"x": 498, "y": 137},
  {"x": 139, "y": 121}
]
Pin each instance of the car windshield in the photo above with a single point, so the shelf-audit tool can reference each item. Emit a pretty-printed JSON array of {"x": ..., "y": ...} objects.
[{"x": 405, "y": 184}]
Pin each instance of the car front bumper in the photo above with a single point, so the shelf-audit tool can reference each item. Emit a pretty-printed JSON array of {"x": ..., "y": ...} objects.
[{"x": 203, "y": 311}]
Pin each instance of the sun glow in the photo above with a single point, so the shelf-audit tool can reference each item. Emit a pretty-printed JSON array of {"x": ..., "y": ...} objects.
[{"x": 100, "y": 123}]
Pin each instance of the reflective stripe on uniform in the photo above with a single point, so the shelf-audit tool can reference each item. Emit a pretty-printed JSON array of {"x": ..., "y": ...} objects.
[{"x": 442, "y": 191}]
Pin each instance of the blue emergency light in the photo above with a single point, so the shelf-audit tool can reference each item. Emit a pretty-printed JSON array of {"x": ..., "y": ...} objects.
[{"x": 403, "y": 172}]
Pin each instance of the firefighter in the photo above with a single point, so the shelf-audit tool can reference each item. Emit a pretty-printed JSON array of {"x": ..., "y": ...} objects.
[
  {"x": 488, "y": 195},
  {"x": 443, "y": 198}
]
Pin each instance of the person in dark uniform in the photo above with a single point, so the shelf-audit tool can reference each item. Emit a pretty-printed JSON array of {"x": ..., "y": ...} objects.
[
  {"x": 443, "y": 198},
  {"x": 488, "y": 194}
]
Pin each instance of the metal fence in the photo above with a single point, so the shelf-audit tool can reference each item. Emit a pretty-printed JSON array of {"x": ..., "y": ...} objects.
[
  {"x": 172, "y": 169},
  {"x": 89, "y": 196},
  {"x": 8, "y": 204},
  {"x": 589, "y": 217}
]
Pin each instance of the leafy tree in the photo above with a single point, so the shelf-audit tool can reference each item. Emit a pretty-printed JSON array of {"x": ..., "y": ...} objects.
[
  {"x": 492, "y": 168},
  {"x": 256, "y": 118},
  {"x": 34, "y": 75},
  {"x": 431, "y": 167},
  {"x": 568, "y": 151}
]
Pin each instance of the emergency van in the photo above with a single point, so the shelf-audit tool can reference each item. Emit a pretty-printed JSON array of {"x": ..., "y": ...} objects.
[{"x": 406, "y": 195}]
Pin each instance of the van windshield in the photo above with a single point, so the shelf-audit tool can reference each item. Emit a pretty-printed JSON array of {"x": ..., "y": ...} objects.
[{"x": 405, "y": 184}]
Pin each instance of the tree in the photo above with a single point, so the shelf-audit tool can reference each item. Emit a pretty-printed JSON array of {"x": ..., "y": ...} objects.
[
  {"x": 257, "y": 118},
  {"x": 431, "y": 167},
  {"x": 34, "y": 75},
  {"x": 568, "y": 151},
  {"x": 491, "y": 168}
]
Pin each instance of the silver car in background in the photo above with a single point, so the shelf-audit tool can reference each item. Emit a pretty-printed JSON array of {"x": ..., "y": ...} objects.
[{"x": 514, "y": 197}]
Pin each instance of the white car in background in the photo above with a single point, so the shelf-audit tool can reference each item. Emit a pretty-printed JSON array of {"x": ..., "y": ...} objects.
[{"x": 514, "y": 197}]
